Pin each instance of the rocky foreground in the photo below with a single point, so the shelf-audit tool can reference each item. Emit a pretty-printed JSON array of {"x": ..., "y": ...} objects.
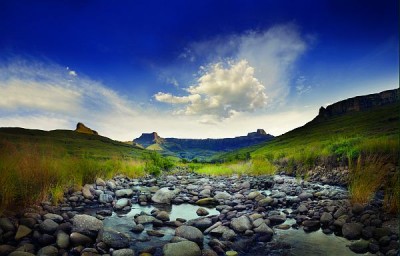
[{"x": 94, "y": 221}]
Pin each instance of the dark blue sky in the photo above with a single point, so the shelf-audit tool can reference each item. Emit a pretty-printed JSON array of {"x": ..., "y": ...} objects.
[{"x": 135, "y": 48}]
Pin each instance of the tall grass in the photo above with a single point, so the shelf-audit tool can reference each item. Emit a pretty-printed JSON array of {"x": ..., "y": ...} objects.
[{"x": 30, "y": 174}]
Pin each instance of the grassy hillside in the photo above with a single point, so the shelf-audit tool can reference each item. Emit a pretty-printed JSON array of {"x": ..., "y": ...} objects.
[{"x": 335, "y": 139}]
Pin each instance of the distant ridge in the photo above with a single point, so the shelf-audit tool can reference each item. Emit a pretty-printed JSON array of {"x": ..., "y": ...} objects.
[
  {"x": 199, "y": 148},
  {"x": 80, "y": 127}
]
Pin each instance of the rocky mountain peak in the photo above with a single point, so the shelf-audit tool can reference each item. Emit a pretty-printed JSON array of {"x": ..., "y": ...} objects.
[{"x": 80, "y": 127}]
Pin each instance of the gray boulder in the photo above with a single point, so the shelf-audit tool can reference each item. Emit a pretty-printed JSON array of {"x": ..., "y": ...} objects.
[
  {"x": 86, "y": 224},
  {"x": 352, "y": 231},
  {"x": 222, "y": 195},
  {"x": 164, "y": 195},
  {"x": 115, "y": 239},
  {"x": 124, "y": 193},
  {"x": 48, "y": 226},
  {"x": 190, "y": 233},
  {"x": 241, "y": 224},
  {"x": 123, "y": 252},
  {"x": 184, "y": 248}
]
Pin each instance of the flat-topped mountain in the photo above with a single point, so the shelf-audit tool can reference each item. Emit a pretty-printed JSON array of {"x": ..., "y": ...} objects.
[{"x": 200, "y": 148}]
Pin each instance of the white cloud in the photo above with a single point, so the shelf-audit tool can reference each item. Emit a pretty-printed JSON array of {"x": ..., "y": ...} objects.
[
  {"x": 302, "y": 86},
  {"x": 221, "y": 92},
  {"x": 242, "y": 71}
]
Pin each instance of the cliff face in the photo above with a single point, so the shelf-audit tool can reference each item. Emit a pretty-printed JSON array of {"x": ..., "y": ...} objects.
[
  {"x": 226, "y": 144},
  {"x": 359, "y": 103},
  {"x": 80, "y": 127}
]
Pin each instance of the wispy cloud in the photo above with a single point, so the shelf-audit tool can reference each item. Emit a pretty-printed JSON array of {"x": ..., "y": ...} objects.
[
  {"x": 241, "y": 73},
  {"x": 302, "y": 86}
]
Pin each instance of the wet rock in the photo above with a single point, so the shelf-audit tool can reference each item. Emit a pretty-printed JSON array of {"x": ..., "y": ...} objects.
[
  {"x": 105, "y": 198},
  {"x": 54, "y": 217},
  {"x": 305, "y": 196},
  {"x": 144, "y": 219},
  {"x": 162, "y": 215},
  {"x": 326, "y": 218},
  {"x": 184, "y": 248},
  {"x": 266, "y": 201},
  {"x": 154, "y": 233},
  {"x": 203, "y": 224},
  {"x": 208, "y": 252},
  {"x": 190, "y": 233},
  {"x": 121, "y": 203},
  {"x": 277, "y": 219},
  {"x": 115, "y": 239},
  {"x": 263, "y": 229},
  {"x": 124, "y": 193},
  {"x": 138, "y": 228},
  {"x": 311, "y": 225},
  {"x": 26, "y": 248},
  {"x": 302, "y": 209},
  {"x": 359, "y": 246},
  {"x": 357, "y": 208},
  {"x": 124, "y": 252},
  {"x": 164, "y": 196},
  {"x": 22, "y": 232},
  {"x": 86, "y": 224},
  {"x": 222, "y": 196},
  {"x": 381, "y": 232},
  {"x": 29, "y": 222},
  {"x": 48, "y": 226},
  {"x": 205, "y": 193},
  {"x": 45, "y": 239},
  {"x": 228, "y": 235},
  {"x": 6, "y": 224},
  {"x": 21, "y": 253},
  {"x": 241, "y": 224},
  {"x": 352, "y": 231},
  {"x": 79, "y": 239},
  {"x": 48, "y": 251},
  {"x": 253, "y": 195},
  {"x": 202, "y": 212},
  {"x": 231, "y": 253},
  {"x": 206, "y": 201},
  {"x": 6, "y": 249},
  {"x": 86, "y": 192},
  {"x": 62, "y": 240}
]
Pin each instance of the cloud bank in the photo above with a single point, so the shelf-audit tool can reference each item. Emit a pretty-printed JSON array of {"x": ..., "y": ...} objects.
[{"x": 243, "y": 72}]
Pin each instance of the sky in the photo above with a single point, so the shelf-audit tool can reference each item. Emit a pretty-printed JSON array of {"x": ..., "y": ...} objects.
[{"x": 190, "y": 69}]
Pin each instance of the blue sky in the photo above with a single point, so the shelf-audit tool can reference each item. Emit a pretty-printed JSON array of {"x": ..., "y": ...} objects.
[{"x": 190, "y": 68}]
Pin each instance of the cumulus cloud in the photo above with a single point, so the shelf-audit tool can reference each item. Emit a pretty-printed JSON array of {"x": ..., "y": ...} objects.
[
  {"x": 241, "y": 73},
  {"x": 221, "y": 92}
]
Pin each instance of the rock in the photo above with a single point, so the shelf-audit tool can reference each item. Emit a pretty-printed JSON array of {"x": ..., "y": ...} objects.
[
  {"x": 228, "y": 235},
  {"x": 352, "y": 231},
  {"x": 190, "y": 233},
  {"x": 277, "y": 219},
  {"x": 154, "y": 233},
  {"x": 79, "y": 239},
  {"x": 163, "y": 215},
  {"x": 164, "y": 195},
  {"x": 86, "y": 224},
  {"x": 205, "y": 193},
  {"x": 144, "y": 219},
  {"x": 20, "y": 253},
  {"x": 86, "y": 192},
  {"x": 357, "y": 208},
  {"x": 6, "y": 249},
  {"x": 6, "y": 224},
  {"x": 266, "y": 201},
  {"x": 30, "y": 248},
  {"x": 111, "y": 185},
  {"x": 48, "y": 226},
  {"x": 105, "y": 198},
  {"x": 311, "y": 225},
  {"x": 138, "y": 228},
  {"x": 206, "y": 201},
  {"x": 264, "y": 229},
  {"x": 48, "y": 251},
  {"x": 381, "y": 232},
  {"x": 359, "y": 246},
  {"x": 121, "y": 203},
  {"x": 100, "y": 182},
  {"x": 22, "y": 232},
  {"x": 241, "y": 224},
  {"x": 253, "y": 195},
  {"x": 54, "y": 217},
  {"x": 203, "y": 224},
  {"x": 231, "y": 253},
  {"x": 202, "y": 212},
  {"x": 62, "y": 240},
  {"x": 302, "y": 209},
  {"x": 222, "y": 195},
  {"x": 124, "y": 193},
  {"x": 326, "y": 218},
  {"x": 304, "y": 196},
  {"x": 208, "y": 252},
  {"x": 124, "y": 252},
  {"x": 115, "y": 239},
  {"x": 184, "y": 248}
]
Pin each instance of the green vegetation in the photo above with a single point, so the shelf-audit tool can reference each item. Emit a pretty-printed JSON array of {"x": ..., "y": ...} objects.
[{"x": 37, "y": 165}]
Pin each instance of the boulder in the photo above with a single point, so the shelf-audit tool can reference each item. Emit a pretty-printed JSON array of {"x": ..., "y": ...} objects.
[
  {"x": 86, "y": 192},
  {"x": 162, "y": 215},
  {"x": 121, "y": 203},
  {"x": 190, "y": 233},
  {"x": 241, "y": 224},
  {"x": 105, "y": 198},
  {"x": 264, "y": 229},
  {"x": 326, "y": 218},
  {"x": 6, "y": 224},
  {"x": 48, "y": 226},
  {"x": 22, "y": 232},
  {"x": 359, "y": 246},
  {"x": 352, "y": 231},
  {"x": 184, "y": 248},
  {"x": 62, "y": 240},
  {"x": 123, "y": 252},
  {"x": 206, "y": 201},
  {"x": 144, "y": 219},
  {"x": 115, "y": 239},
  {"x": 222, "y": 195},
  {"x": 79, "y": 239},
  {"x": 48, "y": 251},
  {"x": 124, "y": 193},
  {"x": 164, "y": 195},
  {"x": 86, "y": 224},
  {"x": 202, "y": 212}
]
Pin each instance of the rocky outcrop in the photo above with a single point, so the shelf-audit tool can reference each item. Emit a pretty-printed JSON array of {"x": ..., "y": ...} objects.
[
  {"x": 359, "y": 103},
  {"x": 80, "y": 127}
]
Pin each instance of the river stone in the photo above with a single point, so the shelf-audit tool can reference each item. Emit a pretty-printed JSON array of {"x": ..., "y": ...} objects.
[
  {"x": 105, "y": 198},
  {"x": 205, "y": 192},
  {"x": 359, "y": 246},
  {"x": 208, "y": 252},
  {"x": 381, "y": 232},
  {"x": 6, "y": 249},
  {"x": 115, "y": 239},
  {"x": 206, "y": 201},
  {"x": 184, "y": 248},
  {"x": 302, "y": 209},
  {"x": 54, "y": 217},
  {"x": 6, "y": 224},
  {"x": 138, "y": 228},
  {"x": 311, "y": 225},
  {"x": 357, "y": 208},
  {"x": 86, "y": 224},
  {"x": 203, "y": 224},
  {"x": 164, "y": 195},
  {"x": 222, "y": 195},
  {"x": 79, "y": 239},
  {"x": 258, "y": 222},
  {"x": 62, "y": 240},
  {"x": 124, "y": 192},
  {"x": 26, "y": 248},
  {"x": 266, "y": 201},
  {"x": 121, "y": 203},
  {"x": 29, "y": 222},
  {"x": 48, "y": 226},
  {"x": 264, "y": 229},
  {"x": 304, "y": 196},
  {"x": 277, "y": 219},
  {"x": 231, "y": 253},
  {"x": 202, "y": 212},
  {"x": 190, "y": 233},
  {"x": 163, "y": 215},
  {"x": 228, "y": 234},
  {"x": 20, "y": 253},
  {"x": 111, "y": 184},
  {"x": 326, "y": 218},
  {"x": 100, "y": 182},
  {"x": 352, "y": 231},
  {"x": 253, "y": 195},
  {"x": 48, "y": 251},
  {"x": 22, "y": 232},
  {"x": 124, "y": 252},
  {"x": 86, "y": 192},
  {"x": 144, "y": 219},
  {"x": 241, "y": 224}
]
